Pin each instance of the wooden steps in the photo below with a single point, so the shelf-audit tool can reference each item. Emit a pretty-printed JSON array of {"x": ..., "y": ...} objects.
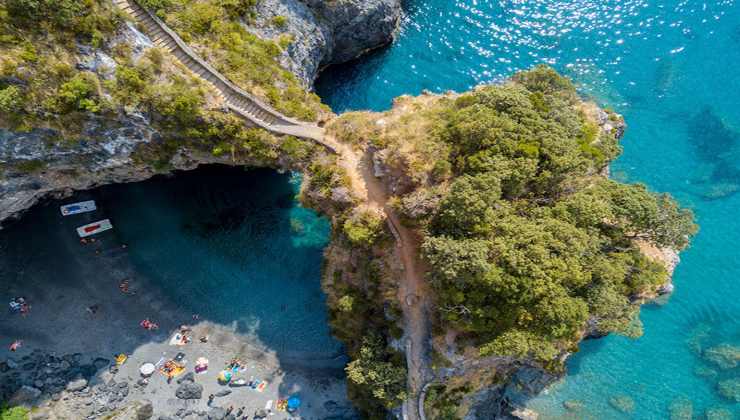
[{"x": 242, "y": 103}]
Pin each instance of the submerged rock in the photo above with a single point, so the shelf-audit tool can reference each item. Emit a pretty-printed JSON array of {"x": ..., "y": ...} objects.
[
  {"x": 718, "y": 414},
  {"x": 681, "y": 409},
  {"x": 730, "y": 389},
  {"x": 622, "y": 403},
  {"x": 24, "y": 396},
  {"x": 725, "y": 356},
  {"x": 573, "y": 405},
  {"x": 705, "y": 372}
]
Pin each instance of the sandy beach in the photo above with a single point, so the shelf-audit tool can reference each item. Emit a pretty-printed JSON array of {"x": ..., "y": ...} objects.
[{"x": 60, "y": 327}]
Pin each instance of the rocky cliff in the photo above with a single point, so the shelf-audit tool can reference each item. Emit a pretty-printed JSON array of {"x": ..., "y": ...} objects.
[
  {"x": 39, "y": 160},
  {"x": 327, "y": 32}
]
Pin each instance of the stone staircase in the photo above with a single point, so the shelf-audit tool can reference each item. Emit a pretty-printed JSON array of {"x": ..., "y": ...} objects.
[{"x": 253, "y": 110}]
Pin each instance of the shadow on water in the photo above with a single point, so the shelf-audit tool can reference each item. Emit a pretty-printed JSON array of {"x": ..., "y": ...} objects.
[{"x": 227, "y": 244}]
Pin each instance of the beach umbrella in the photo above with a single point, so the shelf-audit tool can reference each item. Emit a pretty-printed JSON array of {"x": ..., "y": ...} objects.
[
  {"x": 224, "y": 376},
  {"x": 147, "y": 369},
  {"x": 294, "y": 402}
]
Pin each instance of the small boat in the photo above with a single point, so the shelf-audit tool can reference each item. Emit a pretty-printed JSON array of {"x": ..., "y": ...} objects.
[
  {"x": 93, "y": 228},
  {"x": 77, "y": 208}
]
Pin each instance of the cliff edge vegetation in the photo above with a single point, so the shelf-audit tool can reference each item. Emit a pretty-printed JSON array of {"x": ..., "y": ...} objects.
[{"x": 529, "y": 247}]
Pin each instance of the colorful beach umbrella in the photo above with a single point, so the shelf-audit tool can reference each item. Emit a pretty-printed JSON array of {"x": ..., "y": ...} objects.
[
  {"x": 294, "y": 402},
  {"x": 224, "y": 376}
]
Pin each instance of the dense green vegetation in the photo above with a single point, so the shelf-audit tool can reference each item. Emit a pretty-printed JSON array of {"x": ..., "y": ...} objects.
[
  {"x": 377, "y": 373},
  {"x": 13, "y": 413},
  {"x": 41, "y": 85},
  {"x": 524, "y": 238},
  {"x": 215, "y": 29},
  {"x": 528, "y": 242}
]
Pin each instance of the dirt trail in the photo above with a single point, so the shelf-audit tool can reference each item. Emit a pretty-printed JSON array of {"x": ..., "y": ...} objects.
[{"x": 412, "y": 291}]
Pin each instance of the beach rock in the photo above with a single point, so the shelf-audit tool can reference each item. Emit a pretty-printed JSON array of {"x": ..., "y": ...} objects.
[
  {"x": 101, "y": 363},
  {"x": 145, "y": 410},
  {"x": 223, "y": 393},
  {"x": 77, "y": 385},
  {"x": 25, "y": 395},
  {"x": 216, "y": 413},
  {"x": 525, "y": 414},
  {"x": 12, "y": 364},
  {"x": 188, "y": 377},
  {"x": 189, "y": 391}
]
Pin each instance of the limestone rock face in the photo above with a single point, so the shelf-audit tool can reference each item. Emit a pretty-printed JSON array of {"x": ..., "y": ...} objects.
[
  {"x": 327, "y": 32},
  {"x": 34, "y": 166}
]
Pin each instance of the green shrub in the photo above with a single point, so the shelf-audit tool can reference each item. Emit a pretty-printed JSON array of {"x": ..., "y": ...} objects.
[
  {"x": 345, "y": 303},
  {"x": 14, "y": 413},
  {"x": 79, "y": 94},
  {"x": 363, "y": 229},
  {"x": 280, "y": 21},
  {"x": 11, "y": 99},
  {"x": 375, "y": 372}
]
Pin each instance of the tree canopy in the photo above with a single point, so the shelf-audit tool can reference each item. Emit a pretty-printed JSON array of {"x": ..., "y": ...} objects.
[{"x": 528, "y": 242}]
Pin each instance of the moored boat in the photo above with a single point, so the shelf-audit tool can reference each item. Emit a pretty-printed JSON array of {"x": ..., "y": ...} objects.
[
  {"x": 77, "y": 208},
  {"x": 94, "y": 227}
]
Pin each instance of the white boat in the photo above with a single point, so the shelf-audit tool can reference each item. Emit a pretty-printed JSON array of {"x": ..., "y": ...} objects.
[
  {"x": 94, "y": 227},
  {"x": 77, "y": 208}
]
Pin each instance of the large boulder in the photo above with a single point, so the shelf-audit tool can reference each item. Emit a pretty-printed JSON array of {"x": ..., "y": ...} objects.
[
  {"x": 189, "y": 391},
  {"x": 77, "y": 385},
  {"x": 26, "y": 395},
  {"x": 145, "y": 410}
]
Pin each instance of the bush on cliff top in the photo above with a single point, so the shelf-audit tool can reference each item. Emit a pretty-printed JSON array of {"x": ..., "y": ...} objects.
[{"x": 525, "y": 241}]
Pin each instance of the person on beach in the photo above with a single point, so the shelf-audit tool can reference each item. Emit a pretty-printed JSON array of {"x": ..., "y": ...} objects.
[
  {"x": 210, "y": 399},
  {"x": 239, "y": 412},
  {"x": 229, "y": 410}
]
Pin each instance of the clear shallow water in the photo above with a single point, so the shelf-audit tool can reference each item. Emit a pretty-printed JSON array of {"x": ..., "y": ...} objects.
[
  {"x": 234, "y": 247},
  {"x": 671, "y": 68}
]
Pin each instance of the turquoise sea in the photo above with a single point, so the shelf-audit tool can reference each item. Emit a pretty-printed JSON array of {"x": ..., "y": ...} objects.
[
  {"x": 233, "y": 246},
  {"x": 671, "y": 68}
]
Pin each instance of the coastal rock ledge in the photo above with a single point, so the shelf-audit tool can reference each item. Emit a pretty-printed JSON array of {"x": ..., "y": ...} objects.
[{"x": 327, "y": 32}]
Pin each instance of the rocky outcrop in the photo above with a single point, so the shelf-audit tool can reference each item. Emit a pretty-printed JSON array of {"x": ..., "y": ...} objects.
[
  {"x": 33, "y": 165},
  {"x": 326, "y": 32}
]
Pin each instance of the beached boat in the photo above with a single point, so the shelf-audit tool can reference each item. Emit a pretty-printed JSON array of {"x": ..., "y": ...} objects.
[
  {"x": 94, "y": 227},
  {"x": 77, "y": 208}
]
